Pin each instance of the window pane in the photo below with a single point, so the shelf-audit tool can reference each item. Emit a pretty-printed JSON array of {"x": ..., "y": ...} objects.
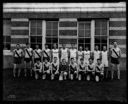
[
  {"x": 55, "y": 40},
  {"x": 97, "y": 39},
  {"x": 39, "y": 31},
  {"x": 33, "y": 39},
  {"x": 33, "y": 45},
  {"x": 48, "y": 40},
  {"x": 68, "y": 32},
  {"x": 39, "y": 39},
  {"x": 39, "y": 23},
  {"x": 81, "y": 33},
  {"x": 68, "y": 24},
  {"x": 87, "y": 26},
  {"x": 33, "y": 31},
  {"x": 104, "y": 39},
  {"x": 33, "y": 23},
  {"x": 48, "y": 33},
  {"x": 87, "y": 40},
  {"x": 55, "y": 33},
  {"x": 81, "y": 26},
  {"x": 87, "y": 33},
  {"x": 8, "y": 39},
  {"x": 81, "y": 40},
  {"x": 6, "y": 27},
  {"x": 55, "y": 25},
  {"x": 48, "y": 25}
]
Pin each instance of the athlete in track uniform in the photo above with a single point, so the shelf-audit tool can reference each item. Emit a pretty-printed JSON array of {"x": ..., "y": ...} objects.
[
  {"x": 17, "y": 55},
  {"x": 73, "y": 53},
  {"x": 63, "y": 70},
  {"x": 87, "y": 55},
  {"x": 37, "y": 54},
  {"x": 46, "y": 53},
  {"x": 115, "y": 54},
  {"x": 96, "y": 54},
  {"x": 64, "y": 53},
  {"x": 73, "y": 69},
  {"x": 104, "y": 57},
  {"x": 81, "y": 69},
  {"x": 46, "y": 69},
  {"x": 54, "y": 68},
  {"x": 90, "y": 70},
  {"x": 99, "y": 71},
  {"x": 28, "y": 53},
  {"x": 37, "y": 69},
  {"x": 80, "y": 54},
  {"x": 55, "y": 52}
]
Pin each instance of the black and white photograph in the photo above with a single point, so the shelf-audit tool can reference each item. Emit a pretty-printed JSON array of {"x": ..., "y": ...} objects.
[{"x": 64, "y": 51}]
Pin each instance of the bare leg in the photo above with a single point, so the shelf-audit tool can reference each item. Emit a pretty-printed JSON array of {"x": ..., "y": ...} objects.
[
  {"x": 14, "y": 70},
  {"x": 19, "y": 70},
  {"x": 106, "y": 68},
  {"x": 30, "y": 68},
  {"x": 118, "y": 71},
  {"x": 112, "y": 71},
  {"x": 25, "y": 70}
]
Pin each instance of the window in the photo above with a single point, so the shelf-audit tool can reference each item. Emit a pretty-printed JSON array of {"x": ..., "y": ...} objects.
[
  {"x": 51, "y": 33},
  {"x": 36, "y": 33},
  {"x": 101, "y": 33},
  {"x": 84, "y": 34},
  {"x": 7, "y": 34}
]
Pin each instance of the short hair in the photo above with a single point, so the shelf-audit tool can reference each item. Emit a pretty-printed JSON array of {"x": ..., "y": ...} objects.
[
  {"x": 17, "y": 44},
  {"x": 55, "y": 57},
  {"x": 72, "y": 58},
  {"x": 81, "y": 59},
  {"x": 98, "y": 59},
  {"x": 90, "y": 59}
]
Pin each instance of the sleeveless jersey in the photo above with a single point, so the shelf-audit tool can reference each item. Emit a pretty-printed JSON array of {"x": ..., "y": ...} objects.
[
  {"x": 46, "y": 66},
  {"x": 99, "y": 67},
  {"x": 104, "y": 56},
  {"x": 73, "y": 53},
  {"x": 17, "y": 53},
  {"x": 80, "y": 54},
  {"x": 86, "y": 55},
  {"x": 37, "y": 53},
  {"x": 73, "y": 67},
  {"x": 64, "y": 53},
  {"x": 55, "y": 53},
  {"x": 82, "y": 66},
  {"x": 91, "y": 66},
  {"x": 117, "y": 50},
  {"x": 38, "y": 66},
  {"x": 28, "y": 52},
  {"x": 47, "y": 52}
]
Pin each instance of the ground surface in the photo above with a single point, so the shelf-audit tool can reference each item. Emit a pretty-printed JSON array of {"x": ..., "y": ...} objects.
[{"x": 30, "y": 89}]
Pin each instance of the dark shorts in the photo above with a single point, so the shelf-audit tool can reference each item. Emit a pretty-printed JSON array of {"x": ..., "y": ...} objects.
[
  {"x": 46, "y": 58},
  {"x": 17, "y": 60},
  {"x": 27, "y": 60},
  {"x": 114, "y": 60},
  {"x": 98, "y": 74},
  {"x": 36, "y": 59},
  {"x": 89, "y": 73},
  {"x": 72, "y": 72},
  {"x": 82, "y": 73}
]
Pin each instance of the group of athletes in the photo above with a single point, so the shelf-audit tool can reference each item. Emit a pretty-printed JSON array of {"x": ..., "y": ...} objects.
[{"x": 64, "y": 63}]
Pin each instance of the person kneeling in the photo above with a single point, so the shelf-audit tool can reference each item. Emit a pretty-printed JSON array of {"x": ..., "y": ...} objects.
[
  {"x": 81, "y": 69},
  {"x": 63, "y": 70},
  {"x": 90, "y": 70},
  {"x": 99, "y": 71},
  {"x": 54, "y": 68},
  {"x": 37, "y": 69},
  {"x": 73, "y": 72},
  {"x": 46, "y": 69}
]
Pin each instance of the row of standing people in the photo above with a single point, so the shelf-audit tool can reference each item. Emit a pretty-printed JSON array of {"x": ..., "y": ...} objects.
[{"x": 30, "y": 56}]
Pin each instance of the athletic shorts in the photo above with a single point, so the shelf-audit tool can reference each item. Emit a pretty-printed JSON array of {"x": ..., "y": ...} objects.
[
  {"x": 81, "y": 72},
  {"x": 114, "y": 60},
  {"x": 90, "y": 73},
  {"x": 48, "y": 58},
  {"x": 105, "y": 63},
  {"x": 27, "y": 60},
  {"x": 17, "y": 60},
  {"x": 38, "y": 70},
  {"x": 36, "y": 59},
  {"x": 72, "y": 72}
]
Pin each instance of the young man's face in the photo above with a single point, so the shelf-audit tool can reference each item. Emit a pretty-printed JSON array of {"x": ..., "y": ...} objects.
[
  {"x": 45, "y": 60},
  {"x": 80, "y": 48},
  {"x": 96, "y": 47},
  {"x": 18, "y": 46},
  {"x": 63, "y": 45},
  {"x": 37, "y": 46},
  {"x": 99, "y": 61},
  {"x": 27, "y": 45},
  {"x": 86, "y": 48},
  {"x": 38, "y": 61},
  {"x": 55, "y": 59},
  {"x": 82, "y": 61},
  {"x": 104, "y": 48},
  {"x": 54, "y": 46},
  {"x": 90, "y": 61},
  {"x": 63, "y": 61},
  {"x": 72, "y": 60},
  {"x": 115, "y": 44},
  {"x": 73, "y": 45},
  {"x": 46, "y": 46}
]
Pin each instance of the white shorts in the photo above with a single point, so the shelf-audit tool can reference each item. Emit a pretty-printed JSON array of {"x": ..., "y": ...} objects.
[{"x": 105, "y": 63}]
